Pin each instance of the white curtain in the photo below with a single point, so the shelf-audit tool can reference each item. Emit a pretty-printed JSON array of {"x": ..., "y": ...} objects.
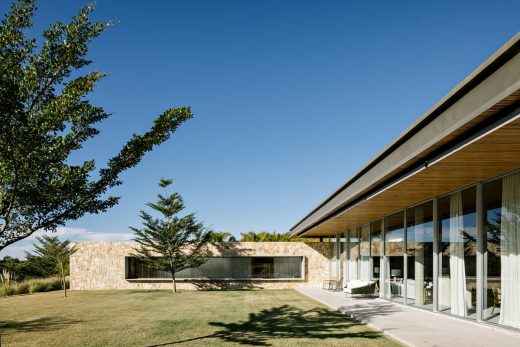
[
  {"x": 353, "y": 269},
  {"x": 332, "y": 260},
  {"x": 384, "y": 278},
  {"x": 510, "y": 252},
  {"x": 365, "y": 273},
  {"x": 457, "y": 269}
]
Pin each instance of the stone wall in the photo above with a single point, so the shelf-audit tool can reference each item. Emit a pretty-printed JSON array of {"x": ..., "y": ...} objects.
[{"x": 101, "y": 265}]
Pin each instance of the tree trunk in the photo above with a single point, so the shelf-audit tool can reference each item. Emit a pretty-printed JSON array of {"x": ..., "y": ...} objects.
[
  {"x": 63, "y": 279},
  {"x": 174, "y": 284}
]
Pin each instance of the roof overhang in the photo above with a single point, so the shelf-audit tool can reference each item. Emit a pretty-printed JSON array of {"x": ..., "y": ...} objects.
[{"x": 452, "y": 145}]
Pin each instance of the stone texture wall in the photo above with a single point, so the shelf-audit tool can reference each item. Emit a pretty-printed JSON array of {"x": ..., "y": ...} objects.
[{"x": 101, "y": 265}]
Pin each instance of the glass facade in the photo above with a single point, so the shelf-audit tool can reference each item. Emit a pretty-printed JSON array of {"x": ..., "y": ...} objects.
[
  {"x": 224, "y": 268},
  {"x": 474, "y": 228}
]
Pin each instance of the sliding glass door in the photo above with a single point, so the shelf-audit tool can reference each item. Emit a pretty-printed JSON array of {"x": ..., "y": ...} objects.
[
  {"x": 457, "y": 256},
  {"x": 394, "y": 257},
  {"x": 376, "y": 251},
  {"x": 501, "y": 302},
  {"x": 419, "y": 248}
]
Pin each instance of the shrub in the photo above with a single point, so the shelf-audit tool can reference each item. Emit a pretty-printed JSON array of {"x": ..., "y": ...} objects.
[
  {"x": 45, "y": 284},
  {"x": 34, "y": 285},
  {"x": 6, "y": 291},
  {"x": 21, "y": 288},
  {"x": 37, "y": 286}
]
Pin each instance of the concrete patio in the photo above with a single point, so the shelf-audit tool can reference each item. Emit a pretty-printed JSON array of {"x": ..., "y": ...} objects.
[{"x": 412, "y": 326}]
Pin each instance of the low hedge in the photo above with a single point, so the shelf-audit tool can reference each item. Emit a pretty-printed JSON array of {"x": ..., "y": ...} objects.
[{"x": 33, "y": 285}]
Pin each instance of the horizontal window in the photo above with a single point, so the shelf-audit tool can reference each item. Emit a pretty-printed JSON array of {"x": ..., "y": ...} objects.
[{"x": 224, "y": 268}]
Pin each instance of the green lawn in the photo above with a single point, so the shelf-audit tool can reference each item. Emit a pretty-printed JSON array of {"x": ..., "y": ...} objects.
[{"x": 191, "y": 318}]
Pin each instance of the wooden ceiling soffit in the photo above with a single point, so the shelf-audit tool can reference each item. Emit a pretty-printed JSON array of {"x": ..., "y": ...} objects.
[{"x": 491, "y": 154}]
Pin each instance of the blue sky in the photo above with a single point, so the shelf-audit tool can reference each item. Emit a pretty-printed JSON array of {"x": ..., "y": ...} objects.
[{"x": 290, "y": 97}]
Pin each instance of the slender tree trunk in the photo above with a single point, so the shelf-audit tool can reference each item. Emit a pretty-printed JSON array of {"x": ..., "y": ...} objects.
[
  {"x": 174, "y": 284},
  {"x": 63, "y": 279}
]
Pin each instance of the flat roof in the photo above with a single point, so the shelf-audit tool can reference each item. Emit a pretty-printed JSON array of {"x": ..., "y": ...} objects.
[{"x": 496, "y": 91}]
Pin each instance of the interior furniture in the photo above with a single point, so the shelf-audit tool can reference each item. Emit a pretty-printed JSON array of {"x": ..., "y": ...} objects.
[
  {"x": 359, "y": 287},
  {"x": 497, "y": 298},
  {"x": 333, "y": 283}
]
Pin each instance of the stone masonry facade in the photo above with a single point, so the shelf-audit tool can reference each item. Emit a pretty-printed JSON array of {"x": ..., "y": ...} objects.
[{"x": 101, "y": 265}]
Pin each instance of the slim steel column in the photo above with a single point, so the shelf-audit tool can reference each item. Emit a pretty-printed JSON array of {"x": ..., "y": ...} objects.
[
  {"x": 480, "y": 252},
  {"x": 435, "y": 255},
  {"x": 405, "y": 260}
]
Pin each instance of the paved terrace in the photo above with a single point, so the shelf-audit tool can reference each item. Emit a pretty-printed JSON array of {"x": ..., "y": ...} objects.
[{"x": 412, "y": 326}]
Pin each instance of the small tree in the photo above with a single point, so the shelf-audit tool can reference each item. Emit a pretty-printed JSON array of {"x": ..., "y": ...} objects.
[
  {"x": 53, "y": 256},
  {"x": 171, "y": 243}
]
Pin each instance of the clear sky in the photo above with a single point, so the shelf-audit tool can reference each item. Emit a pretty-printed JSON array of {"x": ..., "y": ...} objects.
[{"x": 290, "y": 97}]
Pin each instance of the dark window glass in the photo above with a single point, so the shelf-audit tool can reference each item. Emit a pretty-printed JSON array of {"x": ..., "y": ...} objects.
[
  {"x": 224, "y": 268},
  {"x": 394, "y": 251}
]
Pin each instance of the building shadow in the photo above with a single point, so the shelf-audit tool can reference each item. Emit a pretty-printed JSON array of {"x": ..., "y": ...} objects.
[
  {"x": 367, "y": 311},
  {"x": 316, "y": 325}
]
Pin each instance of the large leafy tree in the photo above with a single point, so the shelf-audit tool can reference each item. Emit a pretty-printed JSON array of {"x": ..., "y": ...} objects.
[
  {"x": 172, "y": 242},
  {"x": 45, "y": 117}
]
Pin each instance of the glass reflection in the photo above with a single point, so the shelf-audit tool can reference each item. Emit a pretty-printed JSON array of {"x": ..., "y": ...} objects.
[
  {"x": 501, "y": 200},
  {"x": 457, "y": 258},
  {"x": 394, "y": 255},
  {"x": 419, "y": 247}
]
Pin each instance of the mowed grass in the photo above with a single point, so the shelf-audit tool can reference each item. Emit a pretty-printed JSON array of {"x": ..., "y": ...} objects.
[{"x": 190, "y": 318}]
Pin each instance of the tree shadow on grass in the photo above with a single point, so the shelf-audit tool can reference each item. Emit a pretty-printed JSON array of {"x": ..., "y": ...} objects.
[
  {"x": 39, "y": 324},
  {"x": 285, "y": 322}
]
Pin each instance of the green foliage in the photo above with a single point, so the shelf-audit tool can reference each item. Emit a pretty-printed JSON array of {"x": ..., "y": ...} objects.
[
  {"x": 15, "y": 266},
  {"x": 250, "y": 236},
  {"x": 222, "y": 236},
  {"x": 45, "y": 284},
  {"x": 7, "y": 290},
  {"x": 171, "y": 243},
  {"x": 22, "y": 288},
  {"x": 49, "y": 255},
  {"x": 264, "y": 236},
  {"x": 33, "y": 285},
  {"x": 45, "y": 117}
]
